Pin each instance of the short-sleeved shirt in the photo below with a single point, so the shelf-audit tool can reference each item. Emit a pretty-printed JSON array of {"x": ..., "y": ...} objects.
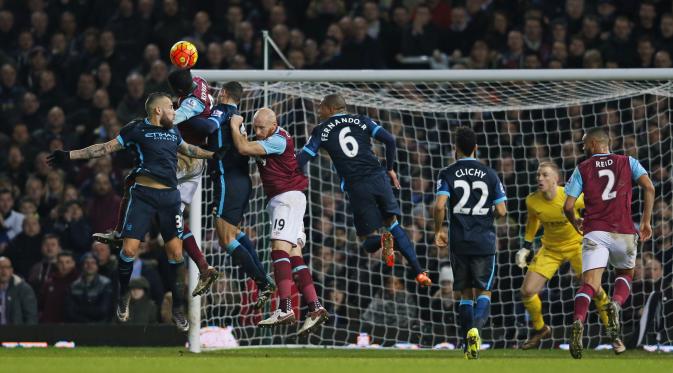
[
  {"x": 279, "y": 169},
  {"x": 233, "y": 160},
  {"x": 347, "y": 139},
  {"x": 473, "y": 189},
  {"x": 156, "y": 150},
  {"x": 606, "y": 180},
  {"x": 198, "y": 103}
]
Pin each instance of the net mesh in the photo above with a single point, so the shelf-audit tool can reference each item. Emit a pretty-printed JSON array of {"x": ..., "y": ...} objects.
[{"x": 518, "y": 124}]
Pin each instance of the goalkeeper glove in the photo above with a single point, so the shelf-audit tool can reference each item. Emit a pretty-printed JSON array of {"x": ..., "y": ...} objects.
[
  {"x": 521, "y": 258},
  {"x": 58, "y": 158}
]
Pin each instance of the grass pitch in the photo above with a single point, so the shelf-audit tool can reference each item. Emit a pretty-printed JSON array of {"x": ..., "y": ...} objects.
[{"x": 167, "y": 360}]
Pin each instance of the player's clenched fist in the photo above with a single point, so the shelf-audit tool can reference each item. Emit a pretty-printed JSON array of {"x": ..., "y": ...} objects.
[{"x": 441, "y": 239}]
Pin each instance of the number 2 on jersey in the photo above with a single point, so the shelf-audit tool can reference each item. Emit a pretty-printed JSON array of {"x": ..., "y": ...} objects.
[
  {"x": 608, "y": 193},
  {"x": 478, "y": 209},
  {"x": 348, "y": 143}
]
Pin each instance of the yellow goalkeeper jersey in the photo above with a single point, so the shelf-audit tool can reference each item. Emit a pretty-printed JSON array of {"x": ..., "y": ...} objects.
[{"x": 558, "y": 234}]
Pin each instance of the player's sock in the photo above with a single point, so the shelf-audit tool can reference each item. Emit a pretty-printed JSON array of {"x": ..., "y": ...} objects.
[
  {"x": 282, "y": 270},
  {"x": 601, "y": 300},
  {"x": 175, "y": 280},
  {"x": 372, "y": 244},
  {"x": 482, "y": 310},
  {"x": 192, "y": 249},
  {"x": 466, "y": 314},
  {"x": 622, "y": 289},
  {"x": 124, "y": 269},
  {"x": 247, "y": 244},
  {"x": 534, "y": 307},
  {"x": 582, "y": 301},
  {"x": 405, "y": 246},
  {"x": 304, "y": 282},
  {"x": 244, "y": 260}
]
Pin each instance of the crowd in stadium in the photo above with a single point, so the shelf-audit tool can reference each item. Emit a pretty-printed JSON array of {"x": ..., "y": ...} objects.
[{"x": 73, "y": 72}]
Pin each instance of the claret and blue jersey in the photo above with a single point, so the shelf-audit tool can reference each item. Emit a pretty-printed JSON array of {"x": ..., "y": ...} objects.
[
  {"x": 156, "y": 150},
  {"x": 473, "y": 190}
]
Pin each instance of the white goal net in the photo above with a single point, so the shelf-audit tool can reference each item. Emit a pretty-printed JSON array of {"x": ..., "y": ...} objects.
[{"x": 519, "y": 123}]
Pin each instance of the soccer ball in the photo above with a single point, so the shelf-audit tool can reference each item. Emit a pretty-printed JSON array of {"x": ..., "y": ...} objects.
[{"x": 184, "y": 54}]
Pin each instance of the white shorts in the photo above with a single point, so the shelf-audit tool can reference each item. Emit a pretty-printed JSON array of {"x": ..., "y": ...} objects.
[
  {"x": 189, "y": 175},
  {"x": 599, "y": 248},
  {"x": 286, "y": 213}
]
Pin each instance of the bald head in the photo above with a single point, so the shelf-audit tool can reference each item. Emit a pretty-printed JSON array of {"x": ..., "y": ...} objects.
[
  {"x": 264, "y": 123},
  {"x": 264, "y": 115}
]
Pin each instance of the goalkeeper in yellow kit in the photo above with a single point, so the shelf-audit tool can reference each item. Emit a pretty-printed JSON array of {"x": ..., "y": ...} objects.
[{"x": 560, "y": 243}]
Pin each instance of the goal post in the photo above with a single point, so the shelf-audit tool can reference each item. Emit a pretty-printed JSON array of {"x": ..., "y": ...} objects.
[{"x": 521, "y": 117}]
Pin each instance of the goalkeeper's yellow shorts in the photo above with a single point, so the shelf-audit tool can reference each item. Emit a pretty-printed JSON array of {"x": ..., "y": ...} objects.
[{"x": 547, "y": 261}]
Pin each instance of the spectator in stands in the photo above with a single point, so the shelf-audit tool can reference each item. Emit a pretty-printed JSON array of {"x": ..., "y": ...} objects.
[
  {"x": 142, "y": 310},
  {"x": 665, "y": 36},
  {"x": 620, "y": 46},
  {"x": 456, "y": 41},
  {"x": 10, "y": 97},
  {"x": 592, "y": 59},
  {"x": 362, "y": 51},
  {"x": 51, "y": 299},
  {"x": 393, "y": 306},
  {"x": 662, "y": 60},
  {"x": 646, "y": 50},
  {"x": 576, "y": 51},
  {"x": 133, "y": 104},
  {"x": 443, "y": 299},
  {"x": 25, "y": 249},
  {"x": 11, "y": 221},
  {"x": 15, "y": 168},
  {"x": 646, "y": 24},
  {"x": 89, "y": 299},
  {"x": 591, "y": 31},
  {"x": 512, "y": 57},
  {"x": 420, "y": 39},
  {"x": 73, "y": 228},
  {"x": 533, "y": 39},
  {"x": 496, "y": 37},
  {"x": 17, "y": 299},
  {"x": 103, "y": 205},
  {"x": 44, "y": 269},
  {"x": 574, "y": 10}
]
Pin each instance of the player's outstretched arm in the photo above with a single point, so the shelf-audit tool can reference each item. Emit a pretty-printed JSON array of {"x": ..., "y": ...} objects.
[
  {"x": 645, "y": 228},
  {"x": 60, "y": 157},
  {"x": 439, "y": 216},
  {"x": 193, "y": 151},
  {"x": 245, "y": 147},
  {"x": 97, "y": 150}
]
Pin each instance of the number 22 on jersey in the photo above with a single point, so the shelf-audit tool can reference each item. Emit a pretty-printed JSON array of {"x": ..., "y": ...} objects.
[{"x": 467, "y": 188}]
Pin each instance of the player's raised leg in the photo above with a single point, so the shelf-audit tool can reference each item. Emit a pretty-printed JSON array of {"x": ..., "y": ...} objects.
[
  {"x": 127, "y": 255},
  {"x": 282, "y": 270},
  {"x": 226, "y": 233},
  {"x": 136, "y": 223}
]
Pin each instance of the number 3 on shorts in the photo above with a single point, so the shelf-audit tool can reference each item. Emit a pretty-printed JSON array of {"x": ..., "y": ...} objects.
[{"x": 178, "y": 221}]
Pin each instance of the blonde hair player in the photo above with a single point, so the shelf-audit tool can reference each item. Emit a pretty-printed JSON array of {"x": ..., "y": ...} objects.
[{"x": 560, "y": 243}]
